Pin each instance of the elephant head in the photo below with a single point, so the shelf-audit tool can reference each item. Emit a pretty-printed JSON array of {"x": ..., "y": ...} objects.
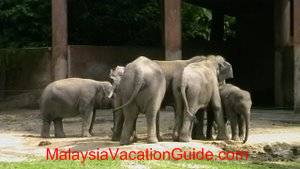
[
  {"x": 104, "y": 93},
  {"x": 224, "y": 68},
  {"x": 116, "y": 75}
]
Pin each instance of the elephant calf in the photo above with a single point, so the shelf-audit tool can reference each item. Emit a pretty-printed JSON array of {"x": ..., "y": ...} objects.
[
  {"x": 237, "y": 105},
  {"x": 71, "y": 97}
]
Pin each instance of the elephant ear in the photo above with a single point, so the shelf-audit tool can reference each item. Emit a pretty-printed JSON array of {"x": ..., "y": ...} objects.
[
  {"x": 108, "y": 90},
  {"x": 224, "y": 69},
  {"x": 117, "y": 74}
]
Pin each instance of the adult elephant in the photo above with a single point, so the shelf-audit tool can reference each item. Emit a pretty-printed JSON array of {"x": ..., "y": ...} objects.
[
  {"x": 71, "y": 97},
  {"x": 141, "y": 89},
  {"x": 172, "y": 71},
  {"x": 200, "y": 90}
]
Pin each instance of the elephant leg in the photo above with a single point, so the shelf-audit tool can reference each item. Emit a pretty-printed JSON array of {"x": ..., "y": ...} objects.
[
  {"x": 210, "y": 123},
  {"x": 118, "y": 118},
  {"x": 58, "y": 127},
  {"x": 218, "y": 114},
  {"x": 151, "y": 126},
  {"x": 92, "y": 123},
  {"x": 177, "y": 125},
  {"x": 45, "y": 133},
  {"x": 130, "y": 116},
  {"x": 234, "y": 126},
  {"x": 184, "y": 133},
  {"x": 194, "y": 131},
  {"x": 87, "y": 116},
  {"x": 157, "y": 128},
  {"x": 187, "y": 123},
  {"x": 178, "y": 115},
  {"x": 134, "y": 135},
  {"x": 197, "y": 132},
  {"x": 241, "y": 126}
]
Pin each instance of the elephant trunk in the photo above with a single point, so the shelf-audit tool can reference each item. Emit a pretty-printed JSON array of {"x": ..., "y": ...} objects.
[{"x": 246, "y": 115}]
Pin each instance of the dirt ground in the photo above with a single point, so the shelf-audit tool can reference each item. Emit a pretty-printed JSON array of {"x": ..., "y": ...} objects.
[{"x": 274, "y": 135}]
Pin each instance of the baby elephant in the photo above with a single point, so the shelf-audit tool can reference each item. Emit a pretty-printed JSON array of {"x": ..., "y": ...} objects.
[
  {"x": 237, "y": 105},
  {"x": 71, "y": 97}
]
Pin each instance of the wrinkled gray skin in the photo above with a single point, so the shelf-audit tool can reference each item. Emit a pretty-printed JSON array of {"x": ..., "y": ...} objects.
[
  {"x": 141, "y": 89},
  {"x": 200, "y": 90},
  {"x": 118, "y": 117},
  {"x": 237, "y": 109},
  {"x": 71, "y": 97},
  {"x": 172, "y": 71}
]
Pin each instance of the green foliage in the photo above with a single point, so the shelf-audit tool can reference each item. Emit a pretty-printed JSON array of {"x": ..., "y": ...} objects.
[
  {"x": 27, "y": 23},
  {"x": 24, "y": 23},
  {"x": 229, "y": 27},
  {"x": 195, "y": 22}
]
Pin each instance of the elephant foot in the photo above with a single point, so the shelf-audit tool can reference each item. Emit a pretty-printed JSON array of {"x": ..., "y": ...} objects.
[
  {"x": 209, "y": 138},
  {"x": 175, "y": 136},
  {"x": 86, "y": 134},
  {"x": 159, "y": 138},
  {"x": 185, "y": 139},
  {"x": 152, "y": 140},
  {"x": 242, "y": 136},
  {"x": 236, "y": 138},
  {"x": 91, "y": 132},
  {"x": 125, "y": 142},
  {"x": 135, "y": 138}
]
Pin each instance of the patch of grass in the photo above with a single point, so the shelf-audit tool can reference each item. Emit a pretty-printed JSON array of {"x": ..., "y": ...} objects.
[
  {"x": 43, "y": 164},
  {"x": 116, "y": 164},
  {"x": 220, "y": 164}
]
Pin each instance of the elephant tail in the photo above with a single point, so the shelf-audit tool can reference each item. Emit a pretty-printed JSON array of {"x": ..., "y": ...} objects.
[
  {"x": 183, "y": 94},
  {"x": 247, "y": 122},
  {"x": 138, "y": 85}
]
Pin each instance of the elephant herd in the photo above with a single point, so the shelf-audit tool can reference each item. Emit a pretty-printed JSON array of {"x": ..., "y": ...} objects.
[{"x": 193, "y": 87}]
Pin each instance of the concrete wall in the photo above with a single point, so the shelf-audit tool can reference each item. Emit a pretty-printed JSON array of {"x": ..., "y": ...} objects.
[
  {"x": 24, "y": 73},
  {"x": 95, "y": 62},
  {"x": 28, "y": 70}
]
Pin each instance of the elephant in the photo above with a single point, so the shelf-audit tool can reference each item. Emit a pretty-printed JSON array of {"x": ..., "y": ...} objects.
[
  {"x": 71, "y": 97},
  {"x": 172, "y": 71},
  {"x": 141, "y": 89},
  {"x": 118, "y": 117},
  {"x": 200, "y": 90},
  {"x": 237, "y": 109}
]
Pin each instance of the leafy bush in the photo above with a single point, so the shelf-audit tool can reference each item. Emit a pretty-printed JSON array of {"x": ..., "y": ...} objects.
[{"x": 27, "y": 23}]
